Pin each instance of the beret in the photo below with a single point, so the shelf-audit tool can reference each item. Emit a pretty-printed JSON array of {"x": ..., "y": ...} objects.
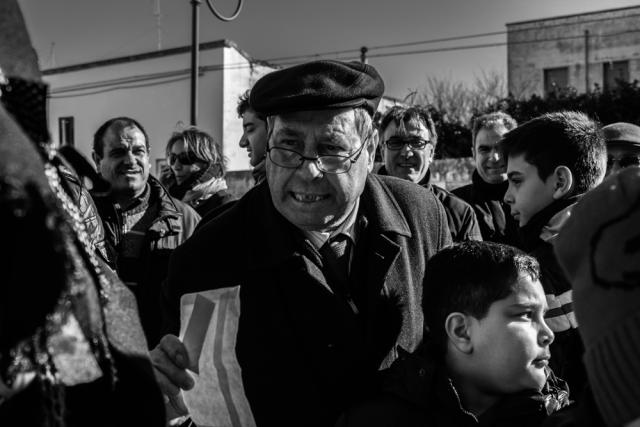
[
  {"x": 622, "y": 132},
  {"x": 318, "y": 85}
]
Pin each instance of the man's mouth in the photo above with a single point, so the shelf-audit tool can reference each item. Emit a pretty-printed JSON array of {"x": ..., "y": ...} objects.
[
  {"x": 307, "y": 197},
  {"x": 130, "y": 172}
]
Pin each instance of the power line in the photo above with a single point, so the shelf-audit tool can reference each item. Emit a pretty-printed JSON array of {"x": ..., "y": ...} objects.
[{"x": 237, "y": 66}]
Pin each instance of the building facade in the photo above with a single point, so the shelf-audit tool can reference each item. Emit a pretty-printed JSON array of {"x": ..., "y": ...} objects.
[
  {"x": 154, "y": 88},
  {"x": 582, "y": 51}
]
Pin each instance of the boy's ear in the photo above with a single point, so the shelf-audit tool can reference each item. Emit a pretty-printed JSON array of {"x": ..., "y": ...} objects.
[
  {"x": 457, "y": 325},
  {"x": 563, "y": 182}
]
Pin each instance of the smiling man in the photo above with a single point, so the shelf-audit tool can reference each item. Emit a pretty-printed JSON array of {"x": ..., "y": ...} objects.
[
  {"x": 409, "y": 141},
  {"x": 489, "y": 180},
  {"x": 329, "y": 258},
  {"x": 143, "y": 224}
]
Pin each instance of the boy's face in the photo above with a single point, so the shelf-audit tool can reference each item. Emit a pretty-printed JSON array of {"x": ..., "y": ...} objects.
[
  {"x": 527, "y": 193},
  {"x": 511, "y": 343}
]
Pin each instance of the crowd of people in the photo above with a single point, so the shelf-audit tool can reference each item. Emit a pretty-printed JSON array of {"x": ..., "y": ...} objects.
[{"x": 369, "y": 296}]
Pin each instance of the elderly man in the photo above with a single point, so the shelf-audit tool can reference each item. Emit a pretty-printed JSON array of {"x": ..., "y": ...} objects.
[
  {"x": 143, "y": 223},
  {"x": 409, "y": 141},
  {"x": 329, "y": 258},
  {"x": 489, "y": 181}
]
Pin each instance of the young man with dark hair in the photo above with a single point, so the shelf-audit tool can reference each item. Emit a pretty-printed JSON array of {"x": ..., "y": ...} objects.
[
  {"x": 254, "y": 136},
  {"x": 409, "y": 141},
  {"x": 486, "y": 350},
  {"x": 551, "y": 161}
]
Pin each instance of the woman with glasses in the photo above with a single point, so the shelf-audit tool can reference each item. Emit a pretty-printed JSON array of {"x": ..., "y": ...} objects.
[{"x": 196, "y": 170}]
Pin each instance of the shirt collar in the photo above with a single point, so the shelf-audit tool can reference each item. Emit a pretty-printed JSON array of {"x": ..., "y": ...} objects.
[{"x": 348, "y": 228}]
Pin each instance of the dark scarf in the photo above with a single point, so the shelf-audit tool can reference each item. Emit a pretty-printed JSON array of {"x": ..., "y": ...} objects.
[{"x": 490, "y": 191}]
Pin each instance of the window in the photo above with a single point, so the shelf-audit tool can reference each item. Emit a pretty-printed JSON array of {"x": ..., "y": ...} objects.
[
  {"x": 555, "y": 79},
  {"x": 65, "y": 128},
  {"x": 613, "y": 72}
]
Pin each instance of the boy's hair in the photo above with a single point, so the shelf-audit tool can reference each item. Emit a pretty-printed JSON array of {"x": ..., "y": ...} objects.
[
  {"x": 565, "y": 138},
  {"x": 491, "y": 121},
  {"x": 244, "y": 105},
  {"x": 468, "y": 277},
  {"x": 201, "y": 146},
  {"x": 401, "y": 115}
]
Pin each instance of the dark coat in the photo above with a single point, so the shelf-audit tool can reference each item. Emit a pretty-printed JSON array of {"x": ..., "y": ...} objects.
[
  {"x": 418, "y": 393},
  {"x": 493, "y": 214},
  {"x": 567, "y": 348},
  {"x": 461, "y": 219},
  {"x": 174, "y": 223},
  {"x": 305, "y": 355}
]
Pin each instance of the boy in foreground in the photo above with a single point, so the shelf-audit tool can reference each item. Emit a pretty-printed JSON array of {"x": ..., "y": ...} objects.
[
  {"x": 485, "y": 356},
  {"x": 552, "y": 161}
]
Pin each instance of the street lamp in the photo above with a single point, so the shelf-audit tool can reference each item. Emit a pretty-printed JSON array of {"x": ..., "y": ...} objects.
[{"x": 195, "y": 48}]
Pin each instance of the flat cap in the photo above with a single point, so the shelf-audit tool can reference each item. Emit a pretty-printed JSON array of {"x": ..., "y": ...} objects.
[
  {"x": 622, "y": 132},
  {"x": 318, "y": 85}
]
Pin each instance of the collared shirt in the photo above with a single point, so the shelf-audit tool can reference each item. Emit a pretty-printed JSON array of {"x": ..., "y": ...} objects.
[{"x": 319, "y": 238}]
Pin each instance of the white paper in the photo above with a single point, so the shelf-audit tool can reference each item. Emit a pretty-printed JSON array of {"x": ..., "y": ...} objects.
[{"x": 209, "y": 333}]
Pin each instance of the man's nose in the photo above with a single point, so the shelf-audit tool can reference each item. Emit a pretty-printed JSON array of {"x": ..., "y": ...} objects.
[
  {"x": 496, "y": 156},
  {"x": 407, "y": 151},
  {"x": 244, "y": 142},
  {"x": 309, "y": 169},
  {"x": 129, "y": 158}
]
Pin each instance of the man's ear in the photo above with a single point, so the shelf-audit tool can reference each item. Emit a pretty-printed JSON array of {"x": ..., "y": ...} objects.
[
  {"x": 96, "y": 160},
  {"x": 457, "y": 325},
  {"x": 371, "y": 150},
  {"x": 563, "y": 182}
]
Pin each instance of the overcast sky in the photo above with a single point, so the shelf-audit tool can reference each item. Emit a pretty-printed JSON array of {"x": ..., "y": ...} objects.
[{"x": 89, "y": 30}]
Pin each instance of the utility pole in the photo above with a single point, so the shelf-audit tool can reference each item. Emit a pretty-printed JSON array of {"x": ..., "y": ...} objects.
[
  {"x": 195, "y": 48},
  {"x": 363, "y": 54},
  {"x": 586, "y": 61}
]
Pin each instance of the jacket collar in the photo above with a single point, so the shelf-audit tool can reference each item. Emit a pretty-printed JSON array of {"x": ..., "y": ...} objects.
[
  {"x": 533, "y": 231},
  {"x": 420, "y": 379}
]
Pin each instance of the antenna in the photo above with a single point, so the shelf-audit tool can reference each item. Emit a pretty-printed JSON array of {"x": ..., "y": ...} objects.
[{"x": 158, "y": 14}]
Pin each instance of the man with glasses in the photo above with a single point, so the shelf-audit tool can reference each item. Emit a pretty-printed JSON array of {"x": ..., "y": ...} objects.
[
  {"x": 409, "y": 141},
  {"x": 623, "y": 146},
  {"x": 330, "y": 259},
  {"x": 143, "y": 224}
]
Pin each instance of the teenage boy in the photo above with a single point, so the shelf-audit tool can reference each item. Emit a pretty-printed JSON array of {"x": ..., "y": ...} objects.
[
  {"x": 485, "y": 356},
  {"x": 551, "y": 161}
]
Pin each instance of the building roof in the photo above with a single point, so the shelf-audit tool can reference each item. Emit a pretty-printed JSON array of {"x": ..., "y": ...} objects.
[
  {"x": 596, "y": 12},
  {"x": 151, "y": 55}
]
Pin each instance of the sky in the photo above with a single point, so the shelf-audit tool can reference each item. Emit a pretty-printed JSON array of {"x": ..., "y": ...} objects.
[{"x": 66, "y": 32}]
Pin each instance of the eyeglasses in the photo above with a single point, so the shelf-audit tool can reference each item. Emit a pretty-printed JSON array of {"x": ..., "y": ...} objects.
[
  {"x": 334, "y": 164},
  {"x": 623, "y": 161},
  {"x": 398, "y": 142},
  {"x": 184, "y": 159}
]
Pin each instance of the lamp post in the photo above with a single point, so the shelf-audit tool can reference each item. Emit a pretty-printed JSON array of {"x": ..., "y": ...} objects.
[{"x": 195, "y": 48}]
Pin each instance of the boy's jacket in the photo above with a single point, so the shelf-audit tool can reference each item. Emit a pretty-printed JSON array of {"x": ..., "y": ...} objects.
[{"x": 418, "y": 392}]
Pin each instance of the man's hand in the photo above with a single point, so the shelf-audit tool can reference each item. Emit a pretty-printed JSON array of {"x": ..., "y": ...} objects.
[{"x": 170, "y": 361}]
